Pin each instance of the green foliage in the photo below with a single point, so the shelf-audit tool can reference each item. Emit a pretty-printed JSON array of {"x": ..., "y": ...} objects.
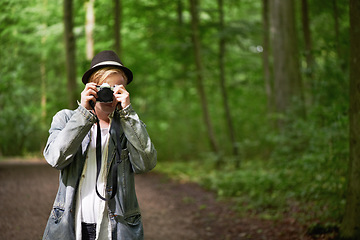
[
  {"x": 24, "y": 34},
  {"x": 310, "y": 187},
  {"x": 303, "y": 167}
]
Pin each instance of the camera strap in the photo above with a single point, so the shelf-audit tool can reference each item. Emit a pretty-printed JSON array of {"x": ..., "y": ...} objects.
[{"x": 120, "y": 144}]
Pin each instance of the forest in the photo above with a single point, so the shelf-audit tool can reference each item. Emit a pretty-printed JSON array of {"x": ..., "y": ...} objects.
[{"x": 256, "y": 100}]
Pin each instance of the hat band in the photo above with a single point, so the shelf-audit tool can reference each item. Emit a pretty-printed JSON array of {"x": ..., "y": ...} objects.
[{"x": 108, "y": 63}]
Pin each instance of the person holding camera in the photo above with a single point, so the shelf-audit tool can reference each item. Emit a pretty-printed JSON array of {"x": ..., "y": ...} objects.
[{"x": 98, "y": 148}]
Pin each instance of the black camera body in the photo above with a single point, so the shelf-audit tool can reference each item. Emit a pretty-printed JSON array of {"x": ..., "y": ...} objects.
[{"x": 105, "y": 93}]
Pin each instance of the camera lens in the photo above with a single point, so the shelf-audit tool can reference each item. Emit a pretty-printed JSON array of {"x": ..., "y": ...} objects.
[{"x": 105, "y": 95}]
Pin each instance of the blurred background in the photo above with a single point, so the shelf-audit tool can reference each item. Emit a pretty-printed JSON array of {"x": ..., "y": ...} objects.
[{"x": 247, "y": 98}]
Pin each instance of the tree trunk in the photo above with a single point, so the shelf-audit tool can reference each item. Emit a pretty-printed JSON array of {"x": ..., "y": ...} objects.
[
  {"x": 180, "y": 13},
  {"x": 308, "y": 51},
  {"x": 43, "y": 101},
  {"x": 339, "y": 50},
  {"x": 117, "y": 27},
  {"x": 43, "y": 91},
  {"x": 350, "y": 227},
  {"x": 336, "y": 27},
  {"x": 307, "y": 37},
  {"x": 265, "y": 56},
  {"x": 199, "y": 74},
  {"x": 180, "y": 33},
  {"x": 287, "y": 77},
  {"x": 222, "y": 52},
  {"x": 70, "y": 53},
  {"x": 43, "y": 72},
  {"x": 89, "y": 29}
]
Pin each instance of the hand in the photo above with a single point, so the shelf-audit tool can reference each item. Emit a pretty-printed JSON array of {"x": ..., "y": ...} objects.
[
  {"x": 88, "y": 94},
  {"x": 121, "y": 96}
]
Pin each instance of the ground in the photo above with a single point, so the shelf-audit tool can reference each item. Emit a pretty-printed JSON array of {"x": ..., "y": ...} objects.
[{"x": 170, "y": 210}]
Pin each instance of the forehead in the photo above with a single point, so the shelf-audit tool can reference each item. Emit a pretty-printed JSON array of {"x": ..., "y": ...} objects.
[{"x": 115, "y": 79}]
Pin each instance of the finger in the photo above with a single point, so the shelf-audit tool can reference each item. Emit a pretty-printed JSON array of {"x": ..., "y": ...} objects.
[
  {"x": 91, "y": 98},
  {"x": 120, "y": 89},
  {"x": 118, "y": 97},
  {"x": 91, "y": 86},
  {"x": 121, "y": 96},
  {"x": 123, "y": 99},
  {"x": 85, "y": 101},
  {"x": 91, "y": 92}
]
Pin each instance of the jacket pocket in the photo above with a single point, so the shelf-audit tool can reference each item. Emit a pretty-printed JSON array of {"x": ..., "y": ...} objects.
[
  {"x": 124, "y": 154},
  {"x": 133, "y": 220},
  {"x": 57, "y": 213}
]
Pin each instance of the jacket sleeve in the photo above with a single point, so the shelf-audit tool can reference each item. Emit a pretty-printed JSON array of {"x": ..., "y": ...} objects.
[
  {"x": 67, "y": 132},
  {"x": 143, "y": 155}
]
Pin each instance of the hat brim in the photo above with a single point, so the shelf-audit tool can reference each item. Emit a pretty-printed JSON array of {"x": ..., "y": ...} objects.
[{"x": 88, "y": 73}]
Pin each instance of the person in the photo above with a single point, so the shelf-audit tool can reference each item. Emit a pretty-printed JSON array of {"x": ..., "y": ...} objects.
[{"x": 98, "y": 148}]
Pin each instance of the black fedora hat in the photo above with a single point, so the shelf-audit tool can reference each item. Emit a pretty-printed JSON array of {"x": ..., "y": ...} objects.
[{"x": 106, "y": 59}]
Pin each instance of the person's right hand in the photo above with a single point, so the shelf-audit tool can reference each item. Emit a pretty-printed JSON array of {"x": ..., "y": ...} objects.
[{"x": 88, "y": 94}]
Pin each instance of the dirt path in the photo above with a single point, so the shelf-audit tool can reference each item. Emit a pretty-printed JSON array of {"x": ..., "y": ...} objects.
[{"x": 171, "y": 210}]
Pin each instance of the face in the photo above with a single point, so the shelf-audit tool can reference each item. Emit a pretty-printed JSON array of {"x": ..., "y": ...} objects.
[{"x": 112, "y": 80}]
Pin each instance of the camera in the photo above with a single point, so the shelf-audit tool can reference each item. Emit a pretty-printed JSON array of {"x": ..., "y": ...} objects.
[{"x": 105, "y": 93}]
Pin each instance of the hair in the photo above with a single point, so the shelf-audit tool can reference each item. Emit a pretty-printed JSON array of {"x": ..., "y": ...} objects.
[{"x": 100, "y": 75}]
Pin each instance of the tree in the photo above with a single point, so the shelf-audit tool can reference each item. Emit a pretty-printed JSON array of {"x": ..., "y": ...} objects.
[
  {"x": 336, "y": 27},
  {"x": 179, "y": 11},
  {"x": 43, "y": 71},
  {"x": 200, "y": 74},
  {"x": 117, "y": 26},
  {"x": 287, "y": 77},
  {"x": 265, "y": 57},
  {"x": 350, "y": 228},
  {"x": 70, "y": 52},
  {"x": 222, "y": 51},
  {"x": 308, "y": 49},
  {"x": 89, "y": 29},
  {"x": 307, "y": 38}
]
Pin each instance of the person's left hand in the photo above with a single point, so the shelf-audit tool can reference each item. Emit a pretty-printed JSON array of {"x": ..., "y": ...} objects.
[{"x": 121, "y": 96}]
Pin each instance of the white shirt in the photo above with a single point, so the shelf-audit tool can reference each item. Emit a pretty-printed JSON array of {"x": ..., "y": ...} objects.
[{"x": 90, "y": 208}]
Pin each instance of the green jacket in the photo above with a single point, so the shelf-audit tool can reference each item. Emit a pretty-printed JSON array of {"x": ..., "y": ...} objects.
[{"x": 66, "y": 150}]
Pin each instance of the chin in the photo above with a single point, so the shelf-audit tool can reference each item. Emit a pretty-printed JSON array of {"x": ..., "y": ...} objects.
[{"x": 107, "y": 107}]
